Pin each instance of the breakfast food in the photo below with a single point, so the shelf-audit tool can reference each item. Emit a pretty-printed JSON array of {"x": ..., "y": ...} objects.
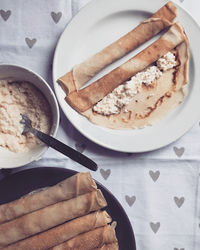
[
  {"x": 20, "y": 97},
  {"x": 90, "y": 240},
  {"x": 145, "y": 100},
  {"x": 111, "y": 246},
  {"x": 42, "y": 219},
  {"x": 72, "y": 187},
  {"x": 64, "y": 232},
  {"x": 86, "y": 98},
  {"x": 76, "y": 223},
  {"x": 83, "y": 72},
  {"x": 142, "y": 90}
]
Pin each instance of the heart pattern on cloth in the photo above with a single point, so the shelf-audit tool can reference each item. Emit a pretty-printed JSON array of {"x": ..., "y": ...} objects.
[
  {"x": 154, "y": 175},
  {"x": 179, "y": 201},
  {"x": 130, "y": 200},
  {"x": 179, "y": 248},
  {"x": 5, "y": 14},
  {"x": 155, "y": 226},
  {"x": 105, "y": 173},
  {"x": 56, "y": 16},
  {"x": 30, "y": 42},
  {"x": 179, "y": 151},
  {"x": 80, "y": 147}
]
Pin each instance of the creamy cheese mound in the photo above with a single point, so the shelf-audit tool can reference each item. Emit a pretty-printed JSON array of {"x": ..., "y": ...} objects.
[
  {"x": 168, "y": 61},
  {"x": 123, "y": 94},
  {"x": 21, "y": 98},
  {"x": 149, "y": 75},
  {"x": 107, "y": 105}
]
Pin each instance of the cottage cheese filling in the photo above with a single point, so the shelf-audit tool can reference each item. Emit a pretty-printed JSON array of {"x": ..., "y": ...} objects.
[
  {"x": 168, "y": 61},
  {"x": 123, "y": 94},
  {"x": 21, "y": 98}
]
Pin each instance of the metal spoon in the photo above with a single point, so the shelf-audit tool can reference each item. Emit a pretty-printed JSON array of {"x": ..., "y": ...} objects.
[{"x": 57, "y": 145}]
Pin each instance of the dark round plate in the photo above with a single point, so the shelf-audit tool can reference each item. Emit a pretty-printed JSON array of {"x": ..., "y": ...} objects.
[{"x": 15, "y": 185}]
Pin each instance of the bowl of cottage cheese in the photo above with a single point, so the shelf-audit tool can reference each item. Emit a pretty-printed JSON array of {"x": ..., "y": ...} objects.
[{"x": 24, "y": 92}]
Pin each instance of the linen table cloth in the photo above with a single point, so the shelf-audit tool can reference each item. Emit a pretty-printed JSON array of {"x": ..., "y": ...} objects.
[{"x": 159, "y": 190}]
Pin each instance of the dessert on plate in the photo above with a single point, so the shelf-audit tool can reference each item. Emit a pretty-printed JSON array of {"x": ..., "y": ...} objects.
[
  {"x": 142, "y": 90},
  {"x": 83, "y": 72}
]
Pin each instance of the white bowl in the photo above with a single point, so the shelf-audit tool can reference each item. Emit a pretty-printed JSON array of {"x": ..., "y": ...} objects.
[{"x": 9, "y": 159}]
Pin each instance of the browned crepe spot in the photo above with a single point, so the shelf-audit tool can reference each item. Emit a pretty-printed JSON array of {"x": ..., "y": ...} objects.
[{"x": 168, "y": 11}]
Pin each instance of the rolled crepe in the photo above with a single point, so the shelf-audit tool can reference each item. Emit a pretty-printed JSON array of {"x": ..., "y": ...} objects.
[
  {"x": 78, "y": 184},
  {"x": 153, "y": 102},
  {"x": 48, "y": 217},
  {"x": 62, "y": 233},
  {"x": 83, "y": 72},
  {"x": 111, "y": 246},
  {"x": 90, "y": 240},
  {"x": 84, "y": 99}
]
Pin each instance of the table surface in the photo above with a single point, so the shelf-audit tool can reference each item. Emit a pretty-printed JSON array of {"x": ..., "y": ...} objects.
[{"x": 159, "y": 190}]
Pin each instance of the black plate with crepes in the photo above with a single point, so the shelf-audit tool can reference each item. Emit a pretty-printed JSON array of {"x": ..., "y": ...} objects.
[{"x": 16, "y": 185}]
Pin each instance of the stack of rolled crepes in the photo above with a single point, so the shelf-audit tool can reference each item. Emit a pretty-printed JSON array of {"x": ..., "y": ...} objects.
[{"x": 65, "y": 216}]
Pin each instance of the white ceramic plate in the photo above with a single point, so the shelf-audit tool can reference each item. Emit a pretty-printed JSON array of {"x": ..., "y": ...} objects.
[{"x": 97, "y": 25}]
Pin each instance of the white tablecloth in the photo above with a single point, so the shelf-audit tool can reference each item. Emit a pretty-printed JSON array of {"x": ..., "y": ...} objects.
[{"x": 159, "y": 190}]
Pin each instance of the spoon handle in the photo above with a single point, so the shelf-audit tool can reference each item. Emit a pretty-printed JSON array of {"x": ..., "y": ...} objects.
[{"x": 66, "y": 150}]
